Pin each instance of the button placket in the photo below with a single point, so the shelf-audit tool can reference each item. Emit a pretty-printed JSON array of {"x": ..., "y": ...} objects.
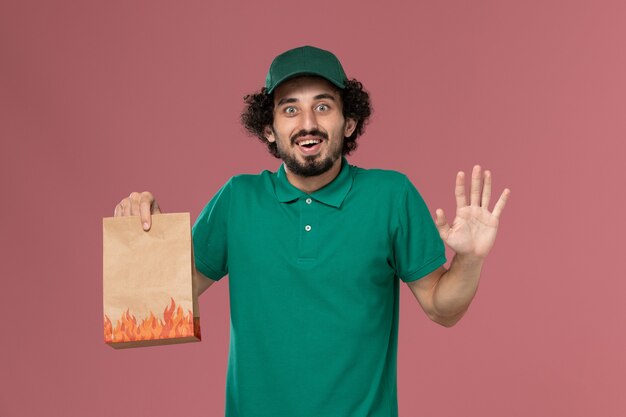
[{"x": 308, "y": 222}]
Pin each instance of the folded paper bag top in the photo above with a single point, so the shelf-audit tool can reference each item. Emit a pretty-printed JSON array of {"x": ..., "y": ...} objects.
[{"x": 148, "y": 292}]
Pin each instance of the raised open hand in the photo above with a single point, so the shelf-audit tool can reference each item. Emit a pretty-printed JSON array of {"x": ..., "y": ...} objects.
[{"x": 473, "y": 231}]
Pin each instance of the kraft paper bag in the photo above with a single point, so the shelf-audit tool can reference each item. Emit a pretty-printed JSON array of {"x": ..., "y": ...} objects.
[{"x": 149, "y": 295}]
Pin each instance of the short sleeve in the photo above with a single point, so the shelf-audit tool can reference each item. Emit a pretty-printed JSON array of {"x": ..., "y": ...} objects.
[
  {"x": 418, "y": 248},
  {"x": 210, "y": 235}
]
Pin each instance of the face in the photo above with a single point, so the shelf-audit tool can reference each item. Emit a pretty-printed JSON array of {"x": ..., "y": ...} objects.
[{"x": 309, "y": 127}]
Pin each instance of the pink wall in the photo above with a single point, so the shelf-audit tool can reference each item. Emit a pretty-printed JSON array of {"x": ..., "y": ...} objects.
[{"x": 98, "y": 99}]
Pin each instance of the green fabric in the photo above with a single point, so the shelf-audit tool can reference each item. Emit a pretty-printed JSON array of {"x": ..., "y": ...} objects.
[
  {"x": 314, "y": 314},
  {"x": 305, "y": 60}
]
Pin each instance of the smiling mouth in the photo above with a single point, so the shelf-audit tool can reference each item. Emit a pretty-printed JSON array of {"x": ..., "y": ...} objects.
[{"x": 309, "y": 143}]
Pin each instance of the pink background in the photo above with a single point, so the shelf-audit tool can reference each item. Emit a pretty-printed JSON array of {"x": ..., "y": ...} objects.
[{"x": 101, "y": 99}]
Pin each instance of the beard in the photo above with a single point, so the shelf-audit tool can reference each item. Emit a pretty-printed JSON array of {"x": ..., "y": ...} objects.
[{"x": 313, "y": 165}]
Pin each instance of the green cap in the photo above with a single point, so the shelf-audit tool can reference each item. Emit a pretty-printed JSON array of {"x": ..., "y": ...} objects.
[{"x": 302, "y": 61}]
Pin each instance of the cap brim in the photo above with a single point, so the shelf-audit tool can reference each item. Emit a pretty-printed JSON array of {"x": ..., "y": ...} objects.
[{"x": 295, "y": 74}]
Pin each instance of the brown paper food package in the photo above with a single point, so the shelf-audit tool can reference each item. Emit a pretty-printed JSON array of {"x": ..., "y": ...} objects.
[{"x": 148, "y": 290}]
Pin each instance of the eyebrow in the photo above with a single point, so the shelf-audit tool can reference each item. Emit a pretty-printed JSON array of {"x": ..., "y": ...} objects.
[
  {"x": 324, "y": 95},
  {"x": 295, "y": 100}
]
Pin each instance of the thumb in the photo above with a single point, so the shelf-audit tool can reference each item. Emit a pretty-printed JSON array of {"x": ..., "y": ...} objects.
[{"x": 441, "y": 223}]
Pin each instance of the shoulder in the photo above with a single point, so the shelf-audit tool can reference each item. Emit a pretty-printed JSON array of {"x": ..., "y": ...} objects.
[
  {"x": 246, "y": 182},
  {"x": 236, "y": 189},
  {"x": 380, "y": 178},
  {"x": 247, "y": 185}
]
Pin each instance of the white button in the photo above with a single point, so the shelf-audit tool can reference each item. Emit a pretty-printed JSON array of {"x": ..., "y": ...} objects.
[
  {"x": 307, "y": 228},
  {"x": 308, "y": 201}
]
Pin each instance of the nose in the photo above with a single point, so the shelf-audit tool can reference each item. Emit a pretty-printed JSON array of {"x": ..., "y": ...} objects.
[{"x": 309, "y": 120}]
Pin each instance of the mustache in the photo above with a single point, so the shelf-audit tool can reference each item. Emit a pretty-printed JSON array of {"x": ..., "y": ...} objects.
[{"x": 313, "y": 132}]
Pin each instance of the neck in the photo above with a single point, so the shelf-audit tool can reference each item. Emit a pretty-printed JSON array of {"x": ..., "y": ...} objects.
[{"x": 311, "y": 184}]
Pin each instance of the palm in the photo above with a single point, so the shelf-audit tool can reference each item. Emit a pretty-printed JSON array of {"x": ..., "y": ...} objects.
[{"x": 473, "y": 231}]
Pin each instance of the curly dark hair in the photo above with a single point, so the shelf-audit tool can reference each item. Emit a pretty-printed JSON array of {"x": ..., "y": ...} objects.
[{"x": 259, "y": 113}]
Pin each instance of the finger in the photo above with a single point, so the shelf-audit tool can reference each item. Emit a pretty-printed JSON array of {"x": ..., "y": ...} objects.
[
  {"x": 459, "y": 190},
  {"x": 475, "y": 186},
  {"x": 134, "y": 203},
  {"x": 116, "y": 210},
  {"x": 125, "y": 205},
  {"x": 441, "y": 223},
  {"x": 497, "y": 210},
  {"x": 486, "y": 190},
  {"x": 145, "y": 203}
]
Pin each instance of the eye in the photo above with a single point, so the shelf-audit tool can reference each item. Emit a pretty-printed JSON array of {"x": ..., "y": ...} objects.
[
  {"x": 290, "y": 110},
  {"x": 323, "y": 107}
]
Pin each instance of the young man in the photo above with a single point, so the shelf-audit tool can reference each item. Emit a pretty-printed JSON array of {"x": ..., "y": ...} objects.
[{"x": 316, "y": 250}]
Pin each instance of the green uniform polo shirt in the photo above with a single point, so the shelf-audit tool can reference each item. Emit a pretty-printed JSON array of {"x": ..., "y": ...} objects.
[{"x": 314, "y": 288}]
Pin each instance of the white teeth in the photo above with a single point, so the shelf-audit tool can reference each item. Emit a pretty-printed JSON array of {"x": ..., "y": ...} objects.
[{"x": 309, "y": 142}]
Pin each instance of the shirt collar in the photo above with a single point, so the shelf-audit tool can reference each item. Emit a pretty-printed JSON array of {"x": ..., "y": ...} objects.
[{"x": 331, "y": 194}]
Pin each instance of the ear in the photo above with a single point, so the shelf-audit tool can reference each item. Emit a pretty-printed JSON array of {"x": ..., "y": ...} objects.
[
  {"x": 269, "y": 134},
  {"x": 350, "y": 127}
]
